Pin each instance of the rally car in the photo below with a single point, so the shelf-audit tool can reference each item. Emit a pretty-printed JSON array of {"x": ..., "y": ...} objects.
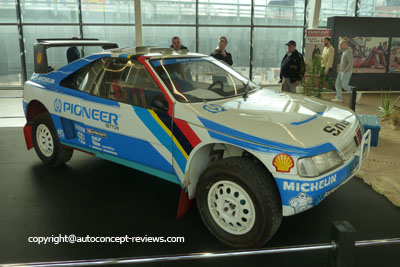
[{"x": 248, "y": 155}]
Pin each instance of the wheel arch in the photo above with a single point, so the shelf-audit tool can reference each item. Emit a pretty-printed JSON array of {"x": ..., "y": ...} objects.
[
  {"x": 34, "y": 108},
  {"x": 207, "y": 154}
]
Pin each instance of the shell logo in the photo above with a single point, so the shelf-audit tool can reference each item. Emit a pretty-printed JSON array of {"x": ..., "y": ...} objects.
[
  {"x": 39, "y": 57},
  {"x": 283, "y": 162}
]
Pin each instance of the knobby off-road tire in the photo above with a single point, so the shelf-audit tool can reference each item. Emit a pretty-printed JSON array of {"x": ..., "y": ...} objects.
[
  {"x": 239, "y": 202},
  {"x": 46, "y": 142}
]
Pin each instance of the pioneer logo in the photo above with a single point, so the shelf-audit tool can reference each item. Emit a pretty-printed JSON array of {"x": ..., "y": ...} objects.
[{"x": 85, "y": 112}]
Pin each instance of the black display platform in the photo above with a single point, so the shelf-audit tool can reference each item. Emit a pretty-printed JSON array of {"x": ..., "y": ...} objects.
[{"x": 91, "y": 196}]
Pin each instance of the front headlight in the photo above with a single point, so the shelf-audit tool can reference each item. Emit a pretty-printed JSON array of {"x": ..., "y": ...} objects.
[{"x": 319, "y": 164}]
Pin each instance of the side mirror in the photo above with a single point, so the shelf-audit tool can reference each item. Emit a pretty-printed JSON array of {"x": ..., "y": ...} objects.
[{"x": 158, "y": 104}]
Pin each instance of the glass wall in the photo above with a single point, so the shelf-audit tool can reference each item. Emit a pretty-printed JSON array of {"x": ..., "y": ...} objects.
[
  {"x": 56, "y": 55},
  {"x": 380, "y": 8},
  {"x": 108, "y": 12},
  {"x": 330, "y": 8},
  {"x": 270, "y": 51},
  {"x": 199, "y": 24},
  {"x": 238, "y": 44},
  {"x": 10, "y": 61}
]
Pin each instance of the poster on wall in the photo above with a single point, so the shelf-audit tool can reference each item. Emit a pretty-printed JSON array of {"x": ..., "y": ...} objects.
[
  {"x": 315, "y": 43},
  {"x": 370, "y": 53},
  {"x": 394, "y": 61}
]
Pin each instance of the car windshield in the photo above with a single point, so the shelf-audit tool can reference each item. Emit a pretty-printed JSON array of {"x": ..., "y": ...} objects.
[{"x": 200, "y": 79}]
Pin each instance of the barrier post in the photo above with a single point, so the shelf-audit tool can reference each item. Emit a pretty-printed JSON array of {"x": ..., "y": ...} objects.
[
  {"x": 353, "y": 96},
  {"x": 343, "y": 239}
]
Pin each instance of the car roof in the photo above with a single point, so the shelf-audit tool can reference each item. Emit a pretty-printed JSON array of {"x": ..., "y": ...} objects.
[{"x": 151, "y": 51}]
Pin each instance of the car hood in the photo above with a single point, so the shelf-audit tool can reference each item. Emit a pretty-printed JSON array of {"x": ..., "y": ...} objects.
[{"x": 289, "y": 119}]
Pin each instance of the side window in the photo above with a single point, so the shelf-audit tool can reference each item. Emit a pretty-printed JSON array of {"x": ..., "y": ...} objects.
[
  {"x": 86, "y": 79},
  {"x": 126, "y": 80}
]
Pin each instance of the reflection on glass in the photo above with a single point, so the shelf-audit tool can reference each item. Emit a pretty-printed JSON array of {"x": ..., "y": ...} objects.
[
  {"x": 228, "y": 12},
  {"x": 279, "y": 12},
  {"x": 199, "y": 79},
  {"x": 102, "y": 11},
  {"x": 169, "y": 12},
  {"x": 47, "y": 11},
  {"x": 330, "y": 8},
  {"x": 380, "y": 8},
  {"x": 7, "y": 11}
]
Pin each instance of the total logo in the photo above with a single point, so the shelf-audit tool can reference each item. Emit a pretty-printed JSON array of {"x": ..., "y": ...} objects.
[{"x": 85, "y": 112}]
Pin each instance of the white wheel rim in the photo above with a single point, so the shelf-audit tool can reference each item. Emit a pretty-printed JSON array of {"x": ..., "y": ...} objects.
[
  {"x": 44, "y": 140},
  {"x": 231, "y": 207}
]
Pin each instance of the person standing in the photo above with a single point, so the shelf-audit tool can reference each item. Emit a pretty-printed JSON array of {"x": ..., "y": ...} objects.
[
  {"x": 177, "y": 45},
  {"x": 220, "y": 52},
  {"x": 73, "y": 52},
  {"x": 292, "y": 68},
  {"x": 326, "y": 63},
  {"x": 345, "y": 72}
]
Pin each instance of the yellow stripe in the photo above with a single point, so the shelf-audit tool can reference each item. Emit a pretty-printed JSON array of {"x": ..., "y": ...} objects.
[{"x": 169, "y": 133}]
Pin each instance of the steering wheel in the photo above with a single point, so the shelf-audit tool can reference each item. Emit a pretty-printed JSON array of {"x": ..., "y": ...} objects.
[{"x": 215, "y": 83}]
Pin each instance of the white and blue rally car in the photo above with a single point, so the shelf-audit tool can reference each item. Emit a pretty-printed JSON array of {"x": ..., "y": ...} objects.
[{"x": 249, "y": 155}]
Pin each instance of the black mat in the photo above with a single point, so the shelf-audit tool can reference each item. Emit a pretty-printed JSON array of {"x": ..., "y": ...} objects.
[{"x": 91, "y": 196}]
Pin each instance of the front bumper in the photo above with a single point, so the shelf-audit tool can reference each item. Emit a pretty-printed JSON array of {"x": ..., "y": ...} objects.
[{"x": 301, "y": 194}]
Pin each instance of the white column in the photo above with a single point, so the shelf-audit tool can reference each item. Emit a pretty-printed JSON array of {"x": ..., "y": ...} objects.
[
  {"x": 138, "y": 22},
  {"x": 315, "y": 8}
]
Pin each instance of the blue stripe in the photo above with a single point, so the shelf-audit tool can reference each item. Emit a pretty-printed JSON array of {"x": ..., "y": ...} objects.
[
  {"x": 164, "y": 175},
  {"x": 161, "y": 135},
  {"x": 271, "y": 145},
  {"x": 305, "y": 121}
]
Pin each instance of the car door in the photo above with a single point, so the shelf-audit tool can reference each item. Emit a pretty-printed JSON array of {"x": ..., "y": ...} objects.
[{"x": 123, "y": 123}]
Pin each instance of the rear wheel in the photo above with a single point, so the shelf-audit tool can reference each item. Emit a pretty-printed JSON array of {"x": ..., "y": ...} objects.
[
  {"x": 46, "y": 142},
  {"x": 239, "y": 202}
]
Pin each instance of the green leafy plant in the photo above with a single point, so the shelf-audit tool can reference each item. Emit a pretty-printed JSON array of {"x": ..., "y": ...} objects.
[
  {"x": 311, "y": 79},
  {"x": 386, "y": 110}
]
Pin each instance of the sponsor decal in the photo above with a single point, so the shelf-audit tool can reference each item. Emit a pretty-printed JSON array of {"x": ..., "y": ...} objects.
[
  {"x": 98, "y": 133},
  {"x": 309, "y": 187},
  {"x": 60, "y": 133},
  {"x": 46, "y": 79},
  {"x": 81, "y": 137},
  {"x": 96, "y": 141},
  {"x": 283, "y": 162},
  {"x": 57, "y": 105},
  {"x": 39, "y": 58},
  {"x": 110, "y": 119},
  {"x": 79, "y": 128},
  {"x": 214, "y": 108},
  {"x": 337, "y": 128},
  {"x": 301, "y": 202}
]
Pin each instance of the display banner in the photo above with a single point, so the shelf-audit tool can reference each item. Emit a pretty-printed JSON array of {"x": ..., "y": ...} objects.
[{"x": 315, "y": 43}]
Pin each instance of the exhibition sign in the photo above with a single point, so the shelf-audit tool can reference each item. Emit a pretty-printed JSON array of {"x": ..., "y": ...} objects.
[{"x": 315, "y": 43}]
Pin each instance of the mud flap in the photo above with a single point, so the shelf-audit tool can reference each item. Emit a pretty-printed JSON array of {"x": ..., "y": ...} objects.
[
  {"x": 28, "y": 136},
  {"x": 185, "y": 204}
]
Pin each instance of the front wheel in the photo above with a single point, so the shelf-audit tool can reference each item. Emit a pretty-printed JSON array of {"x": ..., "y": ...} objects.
[
  {"x": 46, "y": 143},
  {"x": 239, "y": 202}
]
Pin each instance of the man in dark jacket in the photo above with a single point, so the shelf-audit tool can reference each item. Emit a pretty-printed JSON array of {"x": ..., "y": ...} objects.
[
  {"x": 220, "y": 52},
  {"x": 292, "y": 68},
  {"x": 177, "y": 45}
]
